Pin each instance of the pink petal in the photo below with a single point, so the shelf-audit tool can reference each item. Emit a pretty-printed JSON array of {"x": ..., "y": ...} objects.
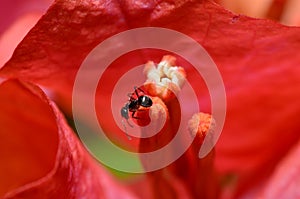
[
  {"x": 20, "y": 16},
  {"x": 285, "y": 181}
]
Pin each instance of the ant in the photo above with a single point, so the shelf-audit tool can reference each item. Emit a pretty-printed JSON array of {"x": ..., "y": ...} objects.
[{"x": 134, "y": 103}]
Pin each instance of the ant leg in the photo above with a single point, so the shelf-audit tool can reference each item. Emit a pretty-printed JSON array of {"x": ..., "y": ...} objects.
[
  {"x": 129, "y": 124},
  {"x": 137, "y": 88},
  {"x": 129, "y": 138},
  {"x": 136, "y": 92},
  {"x": 132, "y": 115},
  {"x": 138, "y": 118},
  {"x": 130, "y": 96}
]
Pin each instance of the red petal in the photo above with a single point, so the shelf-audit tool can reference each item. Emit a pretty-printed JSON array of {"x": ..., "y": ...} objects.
[
  {"x": 41, "y": 52},
  {"x": 28, "y": 136},
  {"x": 40, "y": 156},
  {"x": 262, "y": 97}
]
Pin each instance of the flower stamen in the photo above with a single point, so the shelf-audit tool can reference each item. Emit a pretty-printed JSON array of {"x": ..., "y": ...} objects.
[{"x": 164, "y": 78}]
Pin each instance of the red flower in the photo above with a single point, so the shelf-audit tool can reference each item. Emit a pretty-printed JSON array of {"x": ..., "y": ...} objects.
[{"x": 258, "y": 62}]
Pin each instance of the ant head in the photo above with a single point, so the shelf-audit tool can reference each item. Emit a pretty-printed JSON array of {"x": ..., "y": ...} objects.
[{"x": 124, "y": 111}]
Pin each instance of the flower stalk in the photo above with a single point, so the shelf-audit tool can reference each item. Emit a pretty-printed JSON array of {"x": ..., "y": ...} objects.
[{"x": 194, "y": 176}]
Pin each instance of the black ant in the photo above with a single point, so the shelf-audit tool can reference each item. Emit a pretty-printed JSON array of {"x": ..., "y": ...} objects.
[{"x": 134, "y": 104}]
